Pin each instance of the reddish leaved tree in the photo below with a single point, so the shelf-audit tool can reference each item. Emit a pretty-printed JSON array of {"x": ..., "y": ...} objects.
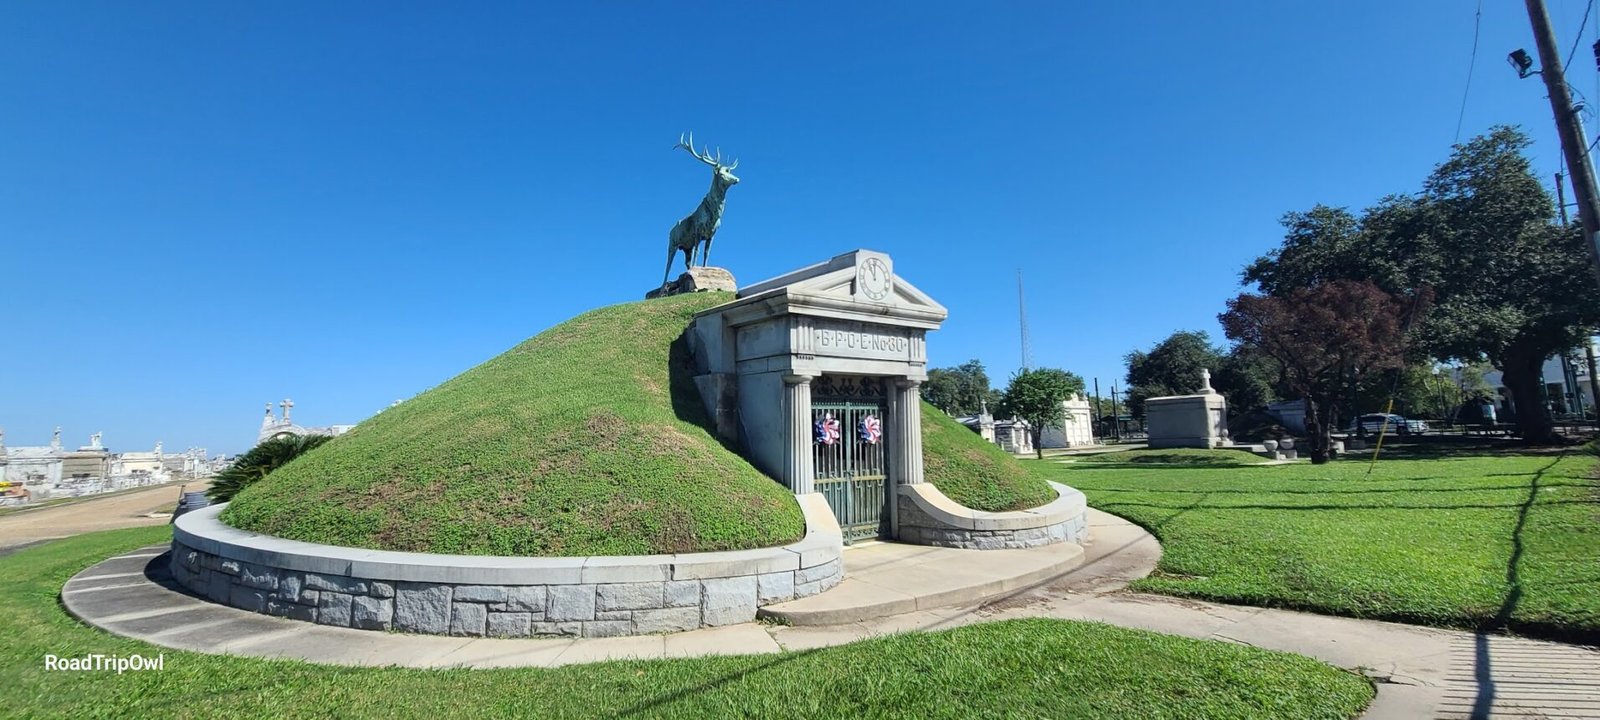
[{"x": 1326, "y": 338}]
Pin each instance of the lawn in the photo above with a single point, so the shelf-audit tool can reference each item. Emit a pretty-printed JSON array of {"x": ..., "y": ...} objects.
[
  {"x": 1502, "y": 540},
  {"x": 1027, "y": 668}
]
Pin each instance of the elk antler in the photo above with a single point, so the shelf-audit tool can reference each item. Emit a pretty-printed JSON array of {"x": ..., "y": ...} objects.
[{"x": 705, "y": 158}]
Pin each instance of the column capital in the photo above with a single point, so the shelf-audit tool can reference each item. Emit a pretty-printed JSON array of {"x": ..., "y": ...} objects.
[
  {"x": 907, "y": 383},
  {"x": 798, "y": 379}
]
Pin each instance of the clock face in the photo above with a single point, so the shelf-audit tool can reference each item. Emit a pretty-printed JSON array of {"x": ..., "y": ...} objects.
[{"x": 874, "y": 279}]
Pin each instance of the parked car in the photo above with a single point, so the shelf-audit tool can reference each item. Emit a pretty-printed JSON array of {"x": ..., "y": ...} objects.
[{"x": 1379, "y": 422}]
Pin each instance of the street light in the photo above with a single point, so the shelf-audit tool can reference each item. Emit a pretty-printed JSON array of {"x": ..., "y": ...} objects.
[{"x": 1521, "y": 62}]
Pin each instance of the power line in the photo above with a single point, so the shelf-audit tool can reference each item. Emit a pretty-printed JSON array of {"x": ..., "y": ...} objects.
[
  {"x": 1579, "y": 37},
  {"x": 1477, "y": 19}
]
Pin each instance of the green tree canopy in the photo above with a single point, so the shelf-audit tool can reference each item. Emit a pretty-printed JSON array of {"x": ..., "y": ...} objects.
[
  {"x": 1510, "y": 284},
  {"x": 1172, "y": 367},
  {"x": 959, "y": 390},
  {"x": 1037, "y": 395}
]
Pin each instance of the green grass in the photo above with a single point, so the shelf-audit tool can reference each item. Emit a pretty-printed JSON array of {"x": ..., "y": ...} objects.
[
  {"x": 588, "y": 439},
  {"x": 1028, "y": 668},
  {"x": 1448, "y": 539},
  {"x": 1191, "y": 457},
  {"x": 973, "y": 471}
]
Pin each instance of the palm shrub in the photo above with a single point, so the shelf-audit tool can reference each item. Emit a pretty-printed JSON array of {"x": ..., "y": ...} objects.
[{"x": 262, "y": 459}]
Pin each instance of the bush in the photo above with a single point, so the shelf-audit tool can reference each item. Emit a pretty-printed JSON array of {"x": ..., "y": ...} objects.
[{"x": 262, "y": 459}]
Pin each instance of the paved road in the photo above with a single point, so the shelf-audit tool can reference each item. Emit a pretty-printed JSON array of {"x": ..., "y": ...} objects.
[{"x": 129, "y": 509}]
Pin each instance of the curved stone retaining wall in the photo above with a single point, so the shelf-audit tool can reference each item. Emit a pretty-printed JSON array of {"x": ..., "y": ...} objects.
[
  {"x": 927, "y": 517},
  {"x": 500, "y": 596}
]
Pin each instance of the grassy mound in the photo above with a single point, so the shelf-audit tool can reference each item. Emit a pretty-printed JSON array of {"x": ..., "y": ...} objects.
[
  {"x": 588, "y": 439},
  {"x": 1024, "y": 669},
  {"x": 973, "y": 471}
]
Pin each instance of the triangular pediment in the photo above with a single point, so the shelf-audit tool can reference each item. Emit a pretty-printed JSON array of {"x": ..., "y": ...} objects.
[{"x": 860, "y": 277}]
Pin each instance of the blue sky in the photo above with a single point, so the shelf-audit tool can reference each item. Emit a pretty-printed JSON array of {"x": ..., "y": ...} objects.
[{"x": 206, "y": 206}]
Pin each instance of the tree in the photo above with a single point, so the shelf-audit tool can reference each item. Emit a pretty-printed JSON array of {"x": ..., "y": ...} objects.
[
  {"x": 262, "y": 459},
  {"x": 1037, "y": 395},
  {"x": 1510, "y": 285},
  {"x": 1325, "y": 338},
  {"x": 1245, "y": 377},
  {"x": 1516, "y": 287},
  {"x": 961, "y": 390},
  {"x": 1172, "y": 367}
]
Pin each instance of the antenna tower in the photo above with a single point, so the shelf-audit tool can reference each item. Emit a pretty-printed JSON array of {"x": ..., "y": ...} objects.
[{"x": 1022, "y": 316}]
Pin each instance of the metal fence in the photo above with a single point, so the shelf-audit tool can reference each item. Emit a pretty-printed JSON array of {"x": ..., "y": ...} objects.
[{"x": 849, "y": 461}]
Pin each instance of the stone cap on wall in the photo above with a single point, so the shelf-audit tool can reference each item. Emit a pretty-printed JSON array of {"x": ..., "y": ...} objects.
[
  {"x": 1211, "y": 397},
  {"x": 204, "y": 531},
  {"x": 1069, "y": 503}
]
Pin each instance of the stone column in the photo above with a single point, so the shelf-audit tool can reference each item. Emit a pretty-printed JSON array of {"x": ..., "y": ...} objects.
[
  {"x": 905, "y": 437},
  {"x": 798, "y": 472}
]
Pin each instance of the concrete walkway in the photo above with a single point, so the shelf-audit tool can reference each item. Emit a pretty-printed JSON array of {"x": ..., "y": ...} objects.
[
  {"x": 885, "y": 578},
  {"x": 1420, "y": 672}
]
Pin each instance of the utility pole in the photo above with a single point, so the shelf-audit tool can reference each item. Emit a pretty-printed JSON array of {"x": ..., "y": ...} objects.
[
  {"x": 1568, "y": 125},
  {"x": 1588, "y": 339},
  {"x": 1100, "y": 417},
  {"x": 1116, "y": 418}
]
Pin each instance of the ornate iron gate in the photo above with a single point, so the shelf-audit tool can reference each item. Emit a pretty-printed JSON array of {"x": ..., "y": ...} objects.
[{"x": 847, "y": 444}]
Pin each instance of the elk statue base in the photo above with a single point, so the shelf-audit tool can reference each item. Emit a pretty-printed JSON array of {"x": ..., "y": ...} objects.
[{"x": 698, "y": 279}]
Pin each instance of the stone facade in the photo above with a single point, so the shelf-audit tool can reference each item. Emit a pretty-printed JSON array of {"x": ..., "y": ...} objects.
[
  {"x": 757, "y": 358},
  {"x": 928, "y": 517},
  {"x": 457, "y": 595}
]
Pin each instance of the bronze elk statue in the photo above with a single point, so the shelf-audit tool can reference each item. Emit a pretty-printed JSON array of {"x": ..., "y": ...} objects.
[{"x": 701, "y": 224}]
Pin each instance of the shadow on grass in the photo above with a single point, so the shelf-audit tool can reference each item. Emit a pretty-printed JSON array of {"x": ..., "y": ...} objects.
[
  {"x": 712, "y": 684},
  {"x": 1352, "y": 506},
  {"x": 1446, "y": 446},
  {"x": 1336, "y": 492},
  {"x": 1483, "y": 671},
  {"x": 1163, "y": 465},
  {"x": 686, "y": 403}
]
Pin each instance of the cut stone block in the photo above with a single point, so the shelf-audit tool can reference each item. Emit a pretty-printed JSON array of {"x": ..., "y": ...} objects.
[
  {"x": 468, "y": 619},
  {"x": 369, "y": 613},
  {"x": 571, "y": 602},
  {"x": 509, "y": 624},
  {"x": 729, "y": 601},
  {"x": 422, "y": 608}
]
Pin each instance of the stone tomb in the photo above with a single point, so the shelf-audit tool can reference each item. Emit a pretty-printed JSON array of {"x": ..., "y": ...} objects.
[
  {"x": 846, "y": 333},
  {"x": 816, "y": 375},
  {"x": 1195, "y": 421}
]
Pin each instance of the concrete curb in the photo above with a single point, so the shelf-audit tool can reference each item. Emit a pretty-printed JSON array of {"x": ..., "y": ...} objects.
[
  {"x": 928, "y": 517},
  {"x": 1069, "y": 503}
]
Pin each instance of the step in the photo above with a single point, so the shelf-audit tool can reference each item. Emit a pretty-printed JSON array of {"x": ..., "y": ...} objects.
[{"x": 887, "y": 578}]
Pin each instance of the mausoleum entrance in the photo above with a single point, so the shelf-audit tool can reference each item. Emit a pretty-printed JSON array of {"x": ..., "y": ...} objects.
[
  {"x": 848, "y": 417},
  {"x": 816, "y": 375}
]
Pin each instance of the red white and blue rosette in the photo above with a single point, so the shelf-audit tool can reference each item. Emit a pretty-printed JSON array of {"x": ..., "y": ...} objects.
[
  {"x": 870, "y": 429},
  {"x": 826, "y": 430}
]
